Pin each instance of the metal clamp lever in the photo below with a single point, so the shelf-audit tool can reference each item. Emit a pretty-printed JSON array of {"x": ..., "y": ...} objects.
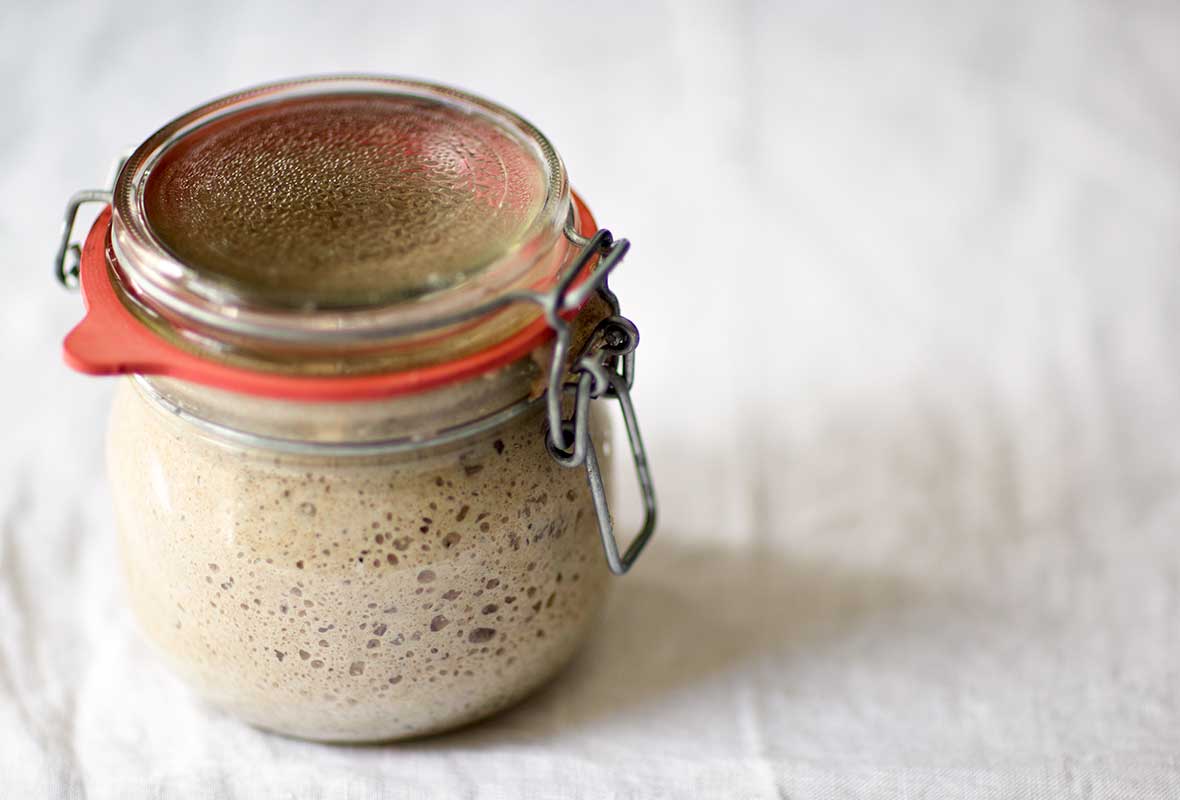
[
  {"x": 612, "y": 345},
  {"x": 71, "y": 252},
  {"x": 67, "y": 261},
  {"x": 604, "y": 369}
]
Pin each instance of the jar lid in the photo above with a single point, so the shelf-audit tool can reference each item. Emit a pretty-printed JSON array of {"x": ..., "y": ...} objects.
[
  {"x": 339, "y": 194},
  {"x": 111, "y": 340},
  {"x": 337, "y": 216}
]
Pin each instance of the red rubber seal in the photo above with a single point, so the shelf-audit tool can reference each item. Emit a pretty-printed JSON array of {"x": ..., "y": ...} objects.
[{"x": 110, "y": 340}]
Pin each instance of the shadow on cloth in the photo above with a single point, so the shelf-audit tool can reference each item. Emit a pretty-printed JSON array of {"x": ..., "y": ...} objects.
[{"x": 687, "y": 616}]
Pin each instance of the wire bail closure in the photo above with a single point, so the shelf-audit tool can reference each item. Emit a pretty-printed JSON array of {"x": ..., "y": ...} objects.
[
  {"x": 604, "y": 369},
  {"x": 68, "y": 260}
]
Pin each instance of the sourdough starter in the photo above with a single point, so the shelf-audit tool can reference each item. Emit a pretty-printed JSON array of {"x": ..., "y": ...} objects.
[{"x": 358, "y": 598}]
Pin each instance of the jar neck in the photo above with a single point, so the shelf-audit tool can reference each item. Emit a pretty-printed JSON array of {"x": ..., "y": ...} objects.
[{"x": 404, "y": 422}]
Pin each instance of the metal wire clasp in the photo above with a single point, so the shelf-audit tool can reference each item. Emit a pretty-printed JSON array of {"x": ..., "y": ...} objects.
[
  {"x": 605, "y": 368},
  {"x": 69, "y": 254},
  {"x": 68, "y": 259}
]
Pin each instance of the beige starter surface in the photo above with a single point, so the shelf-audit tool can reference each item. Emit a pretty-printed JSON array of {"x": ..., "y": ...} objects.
[{"x": 355, "y": 599}]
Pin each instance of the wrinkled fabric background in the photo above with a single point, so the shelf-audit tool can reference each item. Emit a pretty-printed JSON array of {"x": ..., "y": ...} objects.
[{"x": 910, "y": 376}]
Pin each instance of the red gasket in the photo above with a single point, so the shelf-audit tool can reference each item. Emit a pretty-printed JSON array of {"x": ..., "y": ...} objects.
[{"x": 110, "y": 340}]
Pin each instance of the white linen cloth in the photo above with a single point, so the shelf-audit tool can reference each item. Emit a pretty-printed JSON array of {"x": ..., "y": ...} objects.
[{"x": 910, "y": 376}]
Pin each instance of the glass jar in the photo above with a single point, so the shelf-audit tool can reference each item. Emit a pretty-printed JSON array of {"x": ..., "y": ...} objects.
[{"x": 354, "y": 461}]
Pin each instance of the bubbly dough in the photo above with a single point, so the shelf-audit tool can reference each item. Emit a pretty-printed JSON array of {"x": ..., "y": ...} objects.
[{"x": 354, "y": 599}]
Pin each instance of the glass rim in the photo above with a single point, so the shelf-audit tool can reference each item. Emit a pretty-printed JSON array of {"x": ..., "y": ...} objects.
[{"x": 217, "y": 303}]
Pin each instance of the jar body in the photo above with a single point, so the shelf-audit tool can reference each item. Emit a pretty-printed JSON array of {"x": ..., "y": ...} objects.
[{"x": 355, "y": 597}]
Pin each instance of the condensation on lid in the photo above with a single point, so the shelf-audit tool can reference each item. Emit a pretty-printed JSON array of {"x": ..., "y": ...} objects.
[{"x": 350, "y": 200}]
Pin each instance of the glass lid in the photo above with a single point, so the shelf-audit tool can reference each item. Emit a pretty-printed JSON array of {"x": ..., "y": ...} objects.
[
  {"x": 346, "y": 199},
  {"x": 337, "y": 207}
]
